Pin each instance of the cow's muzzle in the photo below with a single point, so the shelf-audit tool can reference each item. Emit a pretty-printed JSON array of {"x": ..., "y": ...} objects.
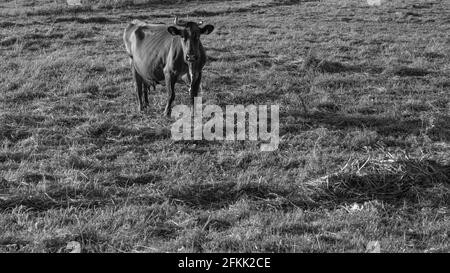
[{"x": 191, "y": 58}]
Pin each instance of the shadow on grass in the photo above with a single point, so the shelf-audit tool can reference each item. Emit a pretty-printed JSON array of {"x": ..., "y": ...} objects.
[
  {"x": 34, "y": 178},
  {"x": 412, "y": 182},
  {"x": 86, "y": 197},
  {"x": 246, "y": 98},
  {"x": 313, "y": 63},
  {"x": 14, "y": 134},
  {"x": 386, "y": 126},
  {"x": 325, "y": 66},
  {"x": 40, "y": 203},
  {"x": 108, "y": 130},
  {"x": 125, "y": 182},
  {"x": 395, "y": 183},
  {"x": 257, "y": 98},
  {"x": 220, "y": 195}
]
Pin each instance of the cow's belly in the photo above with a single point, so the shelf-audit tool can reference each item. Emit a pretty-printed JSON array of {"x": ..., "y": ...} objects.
[
  {"x": 156, "y": 75},
  {"x": 150, "y": 72}
]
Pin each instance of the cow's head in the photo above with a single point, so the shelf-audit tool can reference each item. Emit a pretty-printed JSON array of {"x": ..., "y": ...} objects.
[{"x": 190, "y": 37}]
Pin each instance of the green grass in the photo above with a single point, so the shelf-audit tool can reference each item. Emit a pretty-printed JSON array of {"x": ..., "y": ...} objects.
[{"x": 364, "y": 125}]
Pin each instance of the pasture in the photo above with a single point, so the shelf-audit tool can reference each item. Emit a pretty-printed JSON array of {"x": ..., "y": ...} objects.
[{"x": 364, "y": 154}]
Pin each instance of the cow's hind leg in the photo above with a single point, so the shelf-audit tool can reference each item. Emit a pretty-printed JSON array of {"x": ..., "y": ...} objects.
[
  {"x": 139, "y": 88},
  {"x": 146, "y": 91},
  {"x": 186, "y": 78}
]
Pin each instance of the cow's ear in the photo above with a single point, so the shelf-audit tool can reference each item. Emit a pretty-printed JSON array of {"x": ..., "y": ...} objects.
[
  {"x": 174, "y": 31},
  {"x": 207, "y": 29}
]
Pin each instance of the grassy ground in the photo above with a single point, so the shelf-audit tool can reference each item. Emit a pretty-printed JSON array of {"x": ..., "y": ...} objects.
[{"x": 364, "y": 126}]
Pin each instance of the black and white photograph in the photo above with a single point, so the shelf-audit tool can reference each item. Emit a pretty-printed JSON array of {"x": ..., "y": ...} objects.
[{"x": 205, "y": 127}]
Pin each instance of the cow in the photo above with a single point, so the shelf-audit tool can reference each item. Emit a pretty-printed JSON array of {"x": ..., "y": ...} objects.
[{"x": 161, "y": 54}]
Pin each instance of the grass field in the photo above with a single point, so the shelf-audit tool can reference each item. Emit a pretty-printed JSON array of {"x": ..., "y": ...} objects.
[{"x": 364, "y": 156}]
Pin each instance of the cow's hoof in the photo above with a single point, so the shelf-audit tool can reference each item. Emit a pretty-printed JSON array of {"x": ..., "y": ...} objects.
[{"x": 143, "y": 108}]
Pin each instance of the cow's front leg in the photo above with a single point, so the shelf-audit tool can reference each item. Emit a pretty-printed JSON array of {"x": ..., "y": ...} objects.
[
  {"x": 170, "y": 85},
  {"x": 195, "y": 85}
]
